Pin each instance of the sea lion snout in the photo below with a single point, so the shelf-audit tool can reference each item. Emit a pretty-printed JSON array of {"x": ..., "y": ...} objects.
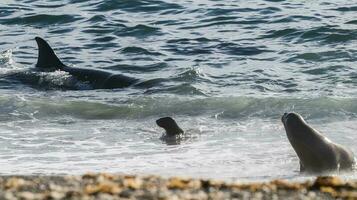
[
  {"x": 283, "y": 118},
  {"x": 291, "y": 118}
]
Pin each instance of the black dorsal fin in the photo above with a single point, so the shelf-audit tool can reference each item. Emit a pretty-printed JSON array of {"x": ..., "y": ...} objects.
[{"x": 47, "y": 58}]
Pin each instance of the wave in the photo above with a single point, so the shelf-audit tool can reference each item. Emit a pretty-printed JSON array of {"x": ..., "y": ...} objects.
[
  {"x": 325, "y": 34},
  {"x": 238, "y": 108},
  {"x": 139, "y": 50},
  {"x": 41, "y": 19},
  {"x": 134, "y": 6},
  {"x": 346, "y": 9},
  {"x": 252, "y": 48},
  {"x": 139, "y": 30}
]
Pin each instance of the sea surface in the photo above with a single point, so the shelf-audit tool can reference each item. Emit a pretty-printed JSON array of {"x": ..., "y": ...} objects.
[{"x": 226, "y": 70}]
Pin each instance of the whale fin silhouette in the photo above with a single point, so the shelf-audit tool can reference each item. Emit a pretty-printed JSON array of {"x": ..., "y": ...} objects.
[{"x": 47, "y": 58}]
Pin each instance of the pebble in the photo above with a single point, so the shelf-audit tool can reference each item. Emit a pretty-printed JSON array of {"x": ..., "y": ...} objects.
[{"x": 113, "y": 187}]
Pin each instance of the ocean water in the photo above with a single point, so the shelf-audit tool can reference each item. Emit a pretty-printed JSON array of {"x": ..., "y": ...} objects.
[{"x": 225, "y": 70}]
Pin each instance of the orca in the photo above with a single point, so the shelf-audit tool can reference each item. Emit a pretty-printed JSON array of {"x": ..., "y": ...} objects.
[{"x": 98, "y": 79}]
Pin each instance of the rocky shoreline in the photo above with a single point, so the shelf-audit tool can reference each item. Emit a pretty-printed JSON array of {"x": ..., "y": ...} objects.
[{"x": 110, "y": 186}]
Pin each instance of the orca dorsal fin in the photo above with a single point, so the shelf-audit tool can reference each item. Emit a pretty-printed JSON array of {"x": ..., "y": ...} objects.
[{"x": 47, "y": 58}]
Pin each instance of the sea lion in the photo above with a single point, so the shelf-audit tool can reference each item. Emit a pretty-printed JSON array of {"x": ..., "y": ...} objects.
[
  {"x": 172, "y": 130},
  {"x": 316, "y": 152}
]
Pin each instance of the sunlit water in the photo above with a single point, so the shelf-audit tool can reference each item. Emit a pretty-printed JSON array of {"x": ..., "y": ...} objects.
[{"x": 225, "y": 70}]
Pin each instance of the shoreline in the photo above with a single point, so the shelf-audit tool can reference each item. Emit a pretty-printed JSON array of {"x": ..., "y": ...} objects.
[{"x": 113, "y": 186}]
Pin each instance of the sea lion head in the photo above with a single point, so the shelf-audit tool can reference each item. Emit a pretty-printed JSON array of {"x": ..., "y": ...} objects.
[
  {"x": 169, "y": 125},
  {"x": 295, "y": 125},
  {"x": 292, "y": 119}
]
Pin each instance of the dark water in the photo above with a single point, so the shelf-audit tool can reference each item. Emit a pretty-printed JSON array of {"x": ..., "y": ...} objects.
[{"x": 226, "y": 70}]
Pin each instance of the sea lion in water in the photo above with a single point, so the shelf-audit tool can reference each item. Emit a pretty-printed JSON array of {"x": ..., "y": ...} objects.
[
  {"x": 316, "y": 152},
  {"x": 173, "y": 132},
  {"x": 170, "y": 126}
]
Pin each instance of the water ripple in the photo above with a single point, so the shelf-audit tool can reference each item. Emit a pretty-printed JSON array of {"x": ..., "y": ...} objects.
[
  {"x": 42, "y": 19},
  {"x": 135, "y": 6},
  {"x": 139, "y": 30},
  {"x": 139, "y": 50},
  {"x": 346, "y": 9}
]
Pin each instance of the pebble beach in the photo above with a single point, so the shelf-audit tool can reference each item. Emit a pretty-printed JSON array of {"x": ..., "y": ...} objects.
[{"x": 112, "y": 186}]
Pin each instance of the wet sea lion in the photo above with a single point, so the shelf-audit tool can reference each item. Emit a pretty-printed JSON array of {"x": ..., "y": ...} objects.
[
  {"x": 172, "y": 130},
  {"x": 317, "y": 153},
  {"x": 170, "y": 126}
]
